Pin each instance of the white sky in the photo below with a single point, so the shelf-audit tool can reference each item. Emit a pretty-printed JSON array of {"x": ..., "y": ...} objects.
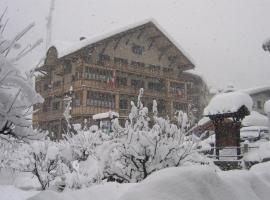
[{"x": 223, "y": 37}]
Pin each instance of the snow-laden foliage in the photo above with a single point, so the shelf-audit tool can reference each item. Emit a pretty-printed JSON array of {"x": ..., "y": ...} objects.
[
  {"x": 17, "y": 93},
  {"x": 138, "y": 150},
  {"x": 88, "y": 156},
  {"x": 67, "y": 110}
]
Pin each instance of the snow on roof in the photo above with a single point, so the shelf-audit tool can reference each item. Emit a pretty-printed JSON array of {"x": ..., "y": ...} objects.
[
  {"x": 267, "y": 107},
  {"x": 196, "y": 74},
  {"x": 83, "y": 43},
  {"x": 256, "y": 90},
  {"x": 228, "y": 103},
  {"x": 255, "y": 119},
  {"x": 203, "y": 121},
  {"x": 105, "y": 115},
  {"x": 254, "y": 128}
]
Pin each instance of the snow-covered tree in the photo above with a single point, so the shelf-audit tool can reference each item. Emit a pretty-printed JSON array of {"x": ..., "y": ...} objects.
[
  {"x": 138, "y": 150},
  {"x": 17, "y": 94}
]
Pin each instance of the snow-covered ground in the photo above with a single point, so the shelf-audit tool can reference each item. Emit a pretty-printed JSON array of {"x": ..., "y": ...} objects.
[
  {"x": 189, "y": 183},
  {"x": 10, "y": 192}
]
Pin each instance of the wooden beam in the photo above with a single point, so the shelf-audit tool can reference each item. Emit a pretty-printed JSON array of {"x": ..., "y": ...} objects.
[
  {"x": 128, "y": 40},
  {"x": 104, "y": 48},
  {"x": 172, "y": 60},
  {"x": 152, "y": 40},
  {"x": 163, "y": 50},
  {"x": 117, "y": 42},
  {"x": 141, "y": 32}
]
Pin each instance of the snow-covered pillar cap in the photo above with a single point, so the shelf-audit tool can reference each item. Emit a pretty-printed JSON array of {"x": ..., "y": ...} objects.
[{"x": 267, "y": 107}]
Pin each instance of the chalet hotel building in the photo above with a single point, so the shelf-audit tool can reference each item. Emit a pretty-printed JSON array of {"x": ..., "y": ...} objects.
[{"x": 107, "y": 73}]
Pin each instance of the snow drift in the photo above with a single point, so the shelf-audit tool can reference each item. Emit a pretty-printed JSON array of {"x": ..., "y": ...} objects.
[
  {"x": 255, "y": 119},
  {"x": 228, "y": 103},
  {"x": 182, "y": 183}
]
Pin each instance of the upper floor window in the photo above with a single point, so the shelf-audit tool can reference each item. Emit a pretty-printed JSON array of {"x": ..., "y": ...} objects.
[
  {"x": 167, "y": 70},
  {"x": 137, "y": 49},
  {"x": 56, "y": 84},
  {"x": 120, "y": 61},
  {"x": 154, "y": 68},
  {"x": 97, "y": 74},
  {"x": 177, "y": 89},
  {"x": 157, "y": 86},
  {"x": 77, "y": 98},
  {"x": 103, "y": 59},
  {"x": 137, "y": 83},
  {"x": 137, "y": 64},
  {"x": 56, "y": 105},
  {"x": 67, "y": 67},
  {"x": 123, "y": 104},
  {"x": 121, "y": 81},
  {"x": 100, "y": 99}
]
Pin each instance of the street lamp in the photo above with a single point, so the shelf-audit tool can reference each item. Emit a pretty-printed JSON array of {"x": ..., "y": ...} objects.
[{"x": 266, "y": 45}]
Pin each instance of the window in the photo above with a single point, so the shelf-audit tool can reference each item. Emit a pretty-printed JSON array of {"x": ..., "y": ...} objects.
[
  {"x": 137, "y": 64},
  {"x": 97, "y": 74},
  {"x": 67, "y": 67},
  {"x": 137, "y": 83},
  {"x": 155, "y": 86},
  {"x": 167, "y": 70},
  {"x": 103, "y": 59},
  {"x": 161, "y": 106},
  {"x": 46, "y": 106},
  {"x": 76, "y": 101},
  {"x": 121, "y": 81},
  {"x": 56, "y": 105},
  {"x": 259, "y": 104},
  {"x": 179, "y": 106},
  {"x": 123, "y": 104},
  {"x": 137, "y": 49},
  {"x": 177, "y": 89},
  {"x": 99, "y": 99},
  {"x": 154, "y": 68},
  {"x": 57, "y": 84},
  {"x": 120, "y": 61}
]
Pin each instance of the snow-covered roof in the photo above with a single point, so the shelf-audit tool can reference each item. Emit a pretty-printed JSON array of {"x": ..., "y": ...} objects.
[
  {"x": 255, "y": 119},
  {"x": 228, "y": 103},
  {"x": 88, "y": 41},
  {"x": 105, "y": 115},
  {"x": 256, "y": 90},
  {"x": 254, "y": 128},
  {"x": 267, "y": 107},
  {"x": 83, "y": 43},
  {"x": 195, "y": 74},
  {"x": 203, "y": 121}
]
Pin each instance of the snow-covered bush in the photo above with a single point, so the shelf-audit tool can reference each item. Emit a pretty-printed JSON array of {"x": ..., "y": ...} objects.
[
  {"x": 138, "y": 150},
  {"x": 79, "y": 152},
  {"x": 17, "y": 93}
]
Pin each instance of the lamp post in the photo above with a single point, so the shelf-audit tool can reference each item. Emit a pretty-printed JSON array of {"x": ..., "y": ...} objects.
[
  {"x": 266, "y": 45},
  {"x": 267, "y": 111}
]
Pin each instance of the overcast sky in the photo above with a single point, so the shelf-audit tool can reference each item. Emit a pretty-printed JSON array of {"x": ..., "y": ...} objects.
[{"x": 223, "y": 37}]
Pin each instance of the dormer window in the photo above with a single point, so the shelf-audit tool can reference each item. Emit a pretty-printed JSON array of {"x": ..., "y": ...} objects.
[{"x": 137, "y": 49}]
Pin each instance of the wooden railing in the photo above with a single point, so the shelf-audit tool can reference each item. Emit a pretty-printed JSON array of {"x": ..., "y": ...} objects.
[{"x": 81, "y": 110}]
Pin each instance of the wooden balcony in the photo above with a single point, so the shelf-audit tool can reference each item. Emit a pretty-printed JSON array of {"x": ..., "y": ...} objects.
[{"x": 86, "y": 110}]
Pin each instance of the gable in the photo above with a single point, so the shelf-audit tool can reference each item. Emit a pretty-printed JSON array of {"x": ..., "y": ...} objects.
[{"x": 145, "y": 44}]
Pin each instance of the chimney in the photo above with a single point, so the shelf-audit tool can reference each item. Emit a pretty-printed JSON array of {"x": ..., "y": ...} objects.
[{"x": 82, "y": 38}]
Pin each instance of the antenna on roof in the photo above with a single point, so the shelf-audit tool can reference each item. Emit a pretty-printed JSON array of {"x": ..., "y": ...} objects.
[{"x": 49, "y": 25}]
